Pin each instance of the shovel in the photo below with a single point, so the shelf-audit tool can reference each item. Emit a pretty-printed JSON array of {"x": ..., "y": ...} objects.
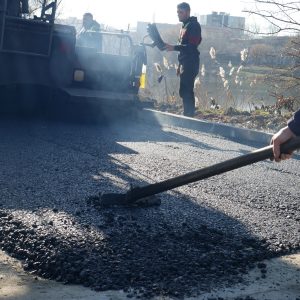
[{"x": 144, "y": 196}]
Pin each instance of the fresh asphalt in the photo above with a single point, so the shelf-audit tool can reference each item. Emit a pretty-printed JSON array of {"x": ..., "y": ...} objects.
[{"x": 204, "y": 235}]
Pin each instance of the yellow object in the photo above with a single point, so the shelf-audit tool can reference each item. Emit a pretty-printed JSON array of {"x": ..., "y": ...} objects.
[
  {"x": 143, "y": 81},
  {"x": 79, "y": 75},
  {"x": 143, "y": 77}
]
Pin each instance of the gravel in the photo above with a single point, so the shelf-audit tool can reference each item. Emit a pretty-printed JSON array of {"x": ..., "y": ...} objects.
[{"x": 204, "y": 235}]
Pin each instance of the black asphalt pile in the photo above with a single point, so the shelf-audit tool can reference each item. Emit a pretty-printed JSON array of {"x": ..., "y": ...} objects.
[{"x": 141, "y": 260}]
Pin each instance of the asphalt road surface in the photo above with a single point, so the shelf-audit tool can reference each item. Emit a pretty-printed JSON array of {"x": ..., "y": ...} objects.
[{"x": 204, "y": 235}]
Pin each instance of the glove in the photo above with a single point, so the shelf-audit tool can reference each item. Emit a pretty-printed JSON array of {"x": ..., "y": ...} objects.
[{"x": 155, "y": 36}]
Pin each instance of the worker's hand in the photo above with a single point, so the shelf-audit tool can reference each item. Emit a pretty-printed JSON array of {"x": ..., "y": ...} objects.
[
  {"x": 282, "y": 136},
  {"x": 169, "y": 47}
]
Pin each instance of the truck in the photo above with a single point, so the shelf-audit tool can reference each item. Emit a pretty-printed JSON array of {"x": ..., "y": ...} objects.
[{"x": 42, "y": 65}]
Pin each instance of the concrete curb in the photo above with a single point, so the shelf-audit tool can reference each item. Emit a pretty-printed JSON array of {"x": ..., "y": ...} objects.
[{"x": 227, "y": 131}]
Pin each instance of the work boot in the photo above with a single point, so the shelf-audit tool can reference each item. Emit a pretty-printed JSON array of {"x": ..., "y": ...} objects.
[
  {"x": 189, "y": 112},
  {"x": 189, "y": 107}
]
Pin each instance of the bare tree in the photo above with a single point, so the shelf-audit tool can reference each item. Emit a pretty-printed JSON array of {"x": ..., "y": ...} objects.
[
  {"x": 284, "y": 17},
  {"x": 35, "y": 6},
  {"x": 259, "y": 52}
]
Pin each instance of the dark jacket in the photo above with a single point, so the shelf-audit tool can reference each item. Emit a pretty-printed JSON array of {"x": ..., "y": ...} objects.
[
  {"x": 189, "y": 40},
  {"x": 90, "y": 37},
  {"x": 294, "y": 123},
  {"x": 95, "y": 26}
]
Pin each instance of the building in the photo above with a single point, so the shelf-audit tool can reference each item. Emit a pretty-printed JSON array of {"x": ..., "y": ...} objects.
[{"x": 223, "y": 20}]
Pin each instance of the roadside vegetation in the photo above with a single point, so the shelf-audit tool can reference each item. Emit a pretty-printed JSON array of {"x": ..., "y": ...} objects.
[{"x": 251, "y": 81}]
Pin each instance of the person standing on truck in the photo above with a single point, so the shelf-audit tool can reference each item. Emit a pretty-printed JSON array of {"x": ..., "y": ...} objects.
[
  {"x": 16, "y": 8},
  {"x": 188, "y": 57},
  {"x": 291, "y": 130},
  {"x": 89, "y": 35}
]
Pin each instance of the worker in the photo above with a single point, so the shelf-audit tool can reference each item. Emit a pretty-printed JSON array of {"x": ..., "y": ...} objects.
[
  {"x": 291, "y": 130},
  {"x": 188, "y": 57},
  {"x": 89, "y": 35}
]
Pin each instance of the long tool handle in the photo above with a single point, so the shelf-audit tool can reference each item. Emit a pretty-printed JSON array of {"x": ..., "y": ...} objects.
[{"x": 228, "y": 165}]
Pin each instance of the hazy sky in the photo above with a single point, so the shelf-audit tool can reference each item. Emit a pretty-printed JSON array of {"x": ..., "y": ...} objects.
[{"x": 120, "y": 13}]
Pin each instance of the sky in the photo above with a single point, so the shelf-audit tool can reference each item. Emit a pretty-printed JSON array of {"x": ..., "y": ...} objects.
[{"x": 121, "y": 13}]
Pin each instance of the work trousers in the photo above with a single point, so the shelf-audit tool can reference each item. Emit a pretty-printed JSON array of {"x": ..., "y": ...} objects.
[{"x": 188, "y": 72}]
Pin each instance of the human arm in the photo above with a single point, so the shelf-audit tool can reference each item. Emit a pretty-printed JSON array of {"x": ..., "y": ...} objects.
[
  {"x": 294, "y": 123},
  {"x": 279, "y": 138},
  {"x": 284, "y": 134},
  {"x": 169, "y": 47},
  {"x": 190, "y": 38}
]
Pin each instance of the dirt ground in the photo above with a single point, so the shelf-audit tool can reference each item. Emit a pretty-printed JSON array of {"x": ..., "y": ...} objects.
[{"x": 282, "y": 282}]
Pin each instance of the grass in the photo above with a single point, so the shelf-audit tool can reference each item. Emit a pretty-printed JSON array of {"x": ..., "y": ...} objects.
[
  {"x": 260, "y": 112},
  {"x": 211, "y": 111}
]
